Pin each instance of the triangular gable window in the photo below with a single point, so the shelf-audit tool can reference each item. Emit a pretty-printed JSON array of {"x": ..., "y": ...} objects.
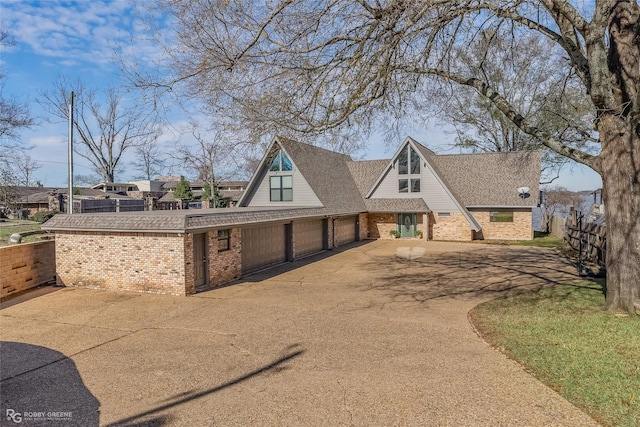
[
  {"x": 281, "y": 162},
  {"x": 408, "y": 161}
]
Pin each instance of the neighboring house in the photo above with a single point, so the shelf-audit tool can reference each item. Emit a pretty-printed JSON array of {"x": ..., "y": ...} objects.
[
  {"x": 301, "y": 200},
  {"x": 32, "y": 200},
  {"x": 159, "y": 193},
  {"x": 116, "y": 187}
]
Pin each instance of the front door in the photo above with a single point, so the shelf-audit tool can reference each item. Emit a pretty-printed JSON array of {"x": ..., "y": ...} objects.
[
  {"x": 200, "y": 259},
  {"x": 407, "y": 224}
]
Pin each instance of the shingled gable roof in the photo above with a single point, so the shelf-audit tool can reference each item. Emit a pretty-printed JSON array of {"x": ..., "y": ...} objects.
[
  {"x": 492, "y": 179},
  {"x": 325, "y": 171},
  {"x": 428, "y": 156},
  {"x": 365, "y": 173}
]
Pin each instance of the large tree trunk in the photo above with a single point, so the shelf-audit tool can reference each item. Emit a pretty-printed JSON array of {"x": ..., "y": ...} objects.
[{"x": 621, "y": 190}]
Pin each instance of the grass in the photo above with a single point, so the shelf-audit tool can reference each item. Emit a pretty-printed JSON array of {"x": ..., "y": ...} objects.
[
  {"x": 17, "y": 227},
  {"x": 563, "y": 337},
  {"x": 540, "y": 239}
]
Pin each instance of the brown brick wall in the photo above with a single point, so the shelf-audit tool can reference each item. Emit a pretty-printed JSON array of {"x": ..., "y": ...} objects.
[
  {"x": 141, "y": 262},
  {"x": 520, "y": 229},
  {"x": 381, "y": 224},
  {"x": 26, "y": 265},
  {"x": 227, "y": 265},
  {"x": 453, "y": 227},
  {"x": 363, "y": 221}
]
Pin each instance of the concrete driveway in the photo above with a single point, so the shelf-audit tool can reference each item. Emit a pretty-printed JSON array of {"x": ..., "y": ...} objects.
[{"x": 376, "y": 334}]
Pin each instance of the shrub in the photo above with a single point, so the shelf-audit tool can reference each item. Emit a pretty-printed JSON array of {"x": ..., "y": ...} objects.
[
  {"x": 395, "y": 234},
  {"x": 418, "y": 234},
  {"x": 43, "y": 216}
]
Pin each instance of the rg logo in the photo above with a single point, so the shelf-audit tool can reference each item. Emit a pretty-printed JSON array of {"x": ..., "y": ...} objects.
[{"x": 14, "y": 416}]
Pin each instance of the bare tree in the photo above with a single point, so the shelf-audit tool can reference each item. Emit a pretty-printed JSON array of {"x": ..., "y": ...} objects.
[
  {"x": 558, "y": 200},
  {"x": 106, "y": 128},
  {"x": 209, "y": 158},
  {"x": 149, "y": 160},
  {"x": 532, "y": 83},
  {"x": 14, "y": 114},
  {"x": 24, "y": 168},
  {"x": 317, "y": 66},
  {"x": 8, "y": 193},
  {"x": 88, "y": 180}
]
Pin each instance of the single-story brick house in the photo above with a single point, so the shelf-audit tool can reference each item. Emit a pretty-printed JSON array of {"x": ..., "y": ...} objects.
[{"x": 301, "y": 200}]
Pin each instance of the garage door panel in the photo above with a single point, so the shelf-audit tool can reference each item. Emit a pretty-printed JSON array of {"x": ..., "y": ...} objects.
[
  {"x": 308, "y": 237},
  {"x": 263, "y": 246},
  {"x": 346, "y": 230}
]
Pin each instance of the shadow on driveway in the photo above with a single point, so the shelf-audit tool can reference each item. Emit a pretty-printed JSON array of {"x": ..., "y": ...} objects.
[
  {"x": 40, "y": 386},
  {"x": 142, "y": 419},
  {"x": 477, "y": 273}
]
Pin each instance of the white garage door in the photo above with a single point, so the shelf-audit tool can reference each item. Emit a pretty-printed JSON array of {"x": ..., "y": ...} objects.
[
  {"x": 263, "y": 246},
  {"x": 308, "y": 237},
  {"x": 345, "y": 230}
]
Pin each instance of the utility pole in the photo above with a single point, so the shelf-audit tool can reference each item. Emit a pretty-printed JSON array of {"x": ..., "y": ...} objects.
[{"x": 70, "y": 198}]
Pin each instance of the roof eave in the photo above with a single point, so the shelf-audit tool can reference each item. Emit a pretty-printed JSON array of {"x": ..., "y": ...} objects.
[
  {"x": 501, "y": 207},
  {"x": 115, "y": 230}
]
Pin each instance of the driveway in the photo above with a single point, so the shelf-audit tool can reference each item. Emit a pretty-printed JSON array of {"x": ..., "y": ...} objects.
[{"x": 375, "y": 334}]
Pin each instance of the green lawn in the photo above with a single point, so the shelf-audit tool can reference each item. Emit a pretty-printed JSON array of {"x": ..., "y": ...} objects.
[
  {"x": 540, "y": 239},
  {"x": 10, "y": 227},
  {"x": 564, "y": 338}
]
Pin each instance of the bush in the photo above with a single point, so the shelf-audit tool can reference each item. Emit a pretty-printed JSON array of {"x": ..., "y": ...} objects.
[
  {"x": 395, "y": 233},
  {"x": 418, "y": 234},
  {"x": 43, "y": 216}
]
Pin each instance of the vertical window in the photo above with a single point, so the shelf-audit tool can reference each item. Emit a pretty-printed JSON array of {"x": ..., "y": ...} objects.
[
  {"x": 224, "y": 240},
  {"x": 415, "y": 161},
  {"x": 409, "y": 163},
  {"x": 281, "y": 188},
  {"x": 275, "y": 164},
  {"x": 286, "y": 162},
  {"x": 402, "y": 163}
]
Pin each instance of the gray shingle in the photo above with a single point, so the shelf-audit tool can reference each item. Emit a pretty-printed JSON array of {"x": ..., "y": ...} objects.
[
  {"x": 328, "y": 175},
  {"x": 365, "y": 173},
  {"x": 492, "y": 179},
  {"x": 180, "y": 221},
  {"x": 396, "y": 205}
]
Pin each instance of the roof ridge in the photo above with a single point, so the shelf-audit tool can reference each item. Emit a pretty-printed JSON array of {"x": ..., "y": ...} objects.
[
  {"x": 486, "y": 153},
  {"x": 289, "y": 140}
]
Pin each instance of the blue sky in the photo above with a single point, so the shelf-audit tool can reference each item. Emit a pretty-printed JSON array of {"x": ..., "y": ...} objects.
[{"x": 77, "y": 39}]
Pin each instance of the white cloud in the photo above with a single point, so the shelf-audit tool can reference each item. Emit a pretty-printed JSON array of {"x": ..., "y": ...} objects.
[{"x": 83, "y": 30}]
